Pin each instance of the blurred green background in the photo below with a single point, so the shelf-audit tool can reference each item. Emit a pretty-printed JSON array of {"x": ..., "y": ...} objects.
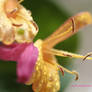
[{"x": 49, "y": 17}]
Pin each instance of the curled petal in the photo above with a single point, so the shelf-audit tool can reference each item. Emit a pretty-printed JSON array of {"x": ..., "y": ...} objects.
[
  {"x": 26, "y": 63},
  {"x": 24, "y": 54},
  {"x": 11, "y": 52}
]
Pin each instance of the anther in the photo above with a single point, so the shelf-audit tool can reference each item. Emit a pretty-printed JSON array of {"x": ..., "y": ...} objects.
[
  {"x": 73, "y": 24},
  {"x": 61, "y": 70},
  {"x": 77, "y": 75},
  {"x": 89, "y": 54},
  {"x": 17, "y": 25}
]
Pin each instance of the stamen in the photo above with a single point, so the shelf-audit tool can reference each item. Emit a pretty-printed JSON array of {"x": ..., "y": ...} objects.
[
  {"x": 17, "y": 25},
  {"x": 35, "y": 25},
  {"x": 65, "y": 54},
  {"x": 73, "y": 24},
  {"x": 62, "y": 71},
  {"x": 71, "y": 72},
  {"x": 85, "y": 57}
]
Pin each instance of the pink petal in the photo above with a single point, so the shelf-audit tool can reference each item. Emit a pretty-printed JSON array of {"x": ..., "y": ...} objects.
[
  {"x": 12, "y": 52},
  {"x": 26, "y": 56},
  {"x": 26, "y": 63}
]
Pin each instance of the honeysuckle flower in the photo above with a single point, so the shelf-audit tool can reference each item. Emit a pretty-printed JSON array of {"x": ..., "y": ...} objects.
[
  {"x": 36, "y": 63},
  {"x": 16, "y": 23},
  {"x": 24, "y": 54},
  {"x": 45, "y": 78}
]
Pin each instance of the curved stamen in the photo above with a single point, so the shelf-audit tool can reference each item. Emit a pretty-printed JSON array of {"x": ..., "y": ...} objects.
[
  {"x": 17, "y": 25},
  {"x": 71, "y": 72},
  {"x": 89, "y": 54}
]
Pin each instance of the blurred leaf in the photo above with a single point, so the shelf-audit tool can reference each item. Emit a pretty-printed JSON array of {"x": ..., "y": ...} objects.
[{"x": 48, "y": 17}]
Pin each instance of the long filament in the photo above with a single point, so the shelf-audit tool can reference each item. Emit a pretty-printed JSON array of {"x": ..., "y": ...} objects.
[{"x": 65, "y": 54}]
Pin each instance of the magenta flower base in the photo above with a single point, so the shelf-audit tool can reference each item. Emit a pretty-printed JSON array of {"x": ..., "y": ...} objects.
[{"x": 25, "y": 56}]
